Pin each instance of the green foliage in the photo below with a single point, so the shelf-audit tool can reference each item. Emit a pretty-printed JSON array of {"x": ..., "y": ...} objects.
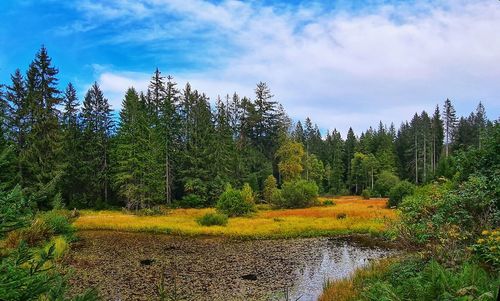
[
  {"x": 212, "y": 219},
  {"x": 399, "y": 191},
  {"x": 329, "y": 203},
  {"x": 269, "y": 188},
  {"x": 487, "y": 249},
  {"x": 58, "y": 222},
  {"x": 290, "y": 156},
  {"x": 385, "y": 182},
  {"x": 247, "y": 194},
  {"x": 418, "y": 280},
  {"x": 297, "y": 194},
  {"x": 232, "y": 203},
  {"x": 29, "y": 276},
  {"x": 366, "y": 194},
  {"x": 15, "y": 210},
  {"x": 191, "y": 201}
]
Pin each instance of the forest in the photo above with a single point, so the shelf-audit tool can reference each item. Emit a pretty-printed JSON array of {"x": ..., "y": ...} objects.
[{"x": 171, "y": 147}]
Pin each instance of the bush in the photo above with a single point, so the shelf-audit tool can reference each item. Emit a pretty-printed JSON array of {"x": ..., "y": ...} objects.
[
  {"x": 487, "y": 248},
  {"x": 341, "y": 215},
  {"x": 232, "y": 203},
  {"x": 269, "y": 188},
  {"x": 398, "y": 192},
  {"x": 36, "y": 233},
  {"x": 58, "y": 222},
  {"x": 329, "y": 203},
  {"x": 247, "y": 194},
  {"x": 417, "y": 280},
  {"x": 153, "y": 211},
  {"x": 386, "y": 180},
  {"x": 191, "y": 201},
  {"x": 366, "y": 194},
  {"x": 297, "y": 194},
  {"x": 212, "y": 219}
]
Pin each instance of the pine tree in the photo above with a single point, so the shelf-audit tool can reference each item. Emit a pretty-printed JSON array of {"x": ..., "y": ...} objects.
[
  {"x": 480, "y": 123},
  {"x": 350, "y": 148},
  {"x": 97, "y": 126},
  {"x": 437, "y": 138},
  {"x": 450, "y": 123},
  {"x": 42, "y": 173},
  {"x": 130, "y": 154},
  {"x": 71, "y": 145},
  {"x": 335, "y": 153}
]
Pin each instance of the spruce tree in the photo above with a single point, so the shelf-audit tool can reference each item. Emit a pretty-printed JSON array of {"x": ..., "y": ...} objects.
[
  {"x": 71, "y": 145},
  {"x": 450, "y": 123},
  {"x": 437, "y": 134},
  {"x": 130, "y": 153},
  {"x": 42, "y": 168},
  {"x": 97, "y": 126}
]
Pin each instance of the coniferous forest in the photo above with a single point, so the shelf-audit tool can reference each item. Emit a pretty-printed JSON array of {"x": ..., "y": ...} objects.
[
  {"x": 172, "y": 145},
  {"x": 172, "y": 161}
]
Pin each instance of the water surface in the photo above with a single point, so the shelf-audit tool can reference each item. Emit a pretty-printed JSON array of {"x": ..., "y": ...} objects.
[{"x": 138, "y": 266}]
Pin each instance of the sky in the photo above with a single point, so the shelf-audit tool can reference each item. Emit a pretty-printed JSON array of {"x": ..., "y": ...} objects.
[{"x": 342, "y": 63}]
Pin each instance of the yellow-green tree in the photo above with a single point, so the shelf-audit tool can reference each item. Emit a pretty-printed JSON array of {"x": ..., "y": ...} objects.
[{"x": 290, "y": 156}]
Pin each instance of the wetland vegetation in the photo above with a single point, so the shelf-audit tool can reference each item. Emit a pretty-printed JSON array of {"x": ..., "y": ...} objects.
[{"x": 179, "y": 199}]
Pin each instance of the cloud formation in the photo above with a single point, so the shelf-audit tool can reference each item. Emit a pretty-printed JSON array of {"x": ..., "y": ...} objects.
[{"x": 340, "y": 66}]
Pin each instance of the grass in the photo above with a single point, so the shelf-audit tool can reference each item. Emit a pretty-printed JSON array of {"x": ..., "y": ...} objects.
[
  {"x": 413, "y": 278},
  {"x": 349, "y": 288},
  {"x": 362, "y": 216}
]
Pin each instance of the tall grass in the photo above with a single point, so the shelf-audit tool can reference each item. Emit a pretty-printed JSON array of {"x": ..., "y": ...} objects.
[{"x": 361, "y": 217}]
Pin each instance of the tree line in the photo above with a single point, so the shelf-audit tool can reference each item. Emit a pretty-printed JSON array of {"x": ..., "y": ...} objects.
[{"x": 169, "y": 145}]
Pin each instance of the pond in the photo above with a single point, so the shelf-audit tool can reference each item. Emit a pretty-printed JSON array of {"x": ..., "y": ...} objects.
[{"x": 140, "y": 266}]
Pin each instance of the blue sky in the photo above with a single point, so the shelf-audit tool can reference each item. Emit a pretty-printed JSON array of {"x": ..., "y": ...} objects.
[{"x": 343, "y": 63}]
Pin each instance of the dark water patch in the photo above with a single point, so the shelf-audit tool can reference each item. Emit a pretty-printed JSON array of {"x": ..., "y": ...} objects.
[{"x": 212, "y": 268}]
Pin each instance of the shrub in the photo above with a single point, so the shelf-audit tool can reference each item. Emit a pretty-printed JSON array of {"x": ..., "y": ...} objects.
[
  {"x": 431, "y": 281},
  {"x": 15, "y": 210},
  {"x": 341, "y": 215},
  {"x": 386, "y": 180},
  {"x": 57, "y": 222},
  {"x": 36, "y": 233},
  {"x": 269, "y": 188},
  {"x": 247, "y": 194},
  {"x": 487, "y": 248},
  {"x": 329, "y": 203},
  {"x": 212, "y": 219},
  {"x": 191, "y": 201},
  {"x": 366, "y": 194},
  {"x": 398, "y": 192},
  {"x": 298, "y": 194},
  {"x": 155, "y": 210},
  {"x": 232, "y": 203}
]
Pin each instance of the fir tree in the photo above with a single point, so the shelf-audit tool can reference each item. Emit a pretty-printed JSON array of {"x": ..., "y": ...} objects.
[
  {"x": 42, "y": 173},
  {"x": 450, "y": 123},
  {"x": 97, "y": 126}
]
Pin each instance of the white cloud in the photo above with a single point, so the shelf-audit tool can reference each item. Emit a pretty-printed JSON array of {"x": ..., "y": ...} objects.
[{"x": 339, "y": 67}]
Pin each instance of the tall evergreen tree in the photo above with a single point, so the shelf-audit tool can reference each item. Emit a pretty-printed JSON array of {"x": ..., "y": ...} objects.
[
  {"x": 71, "y": 146},
  {"x": 130, "y": 154},
  {"x": 349, "y": 150},
  {"x": 42, "y": 173},
  {"x": 97, "y": 127},
  {"x": 437, "y": 134},
  {"x": 450, "y": 123}
]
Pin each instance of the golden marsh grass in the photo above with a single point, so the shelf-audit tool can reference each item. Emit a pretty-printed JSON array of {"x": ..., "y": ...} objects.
[{"x": 361, "y": 216}]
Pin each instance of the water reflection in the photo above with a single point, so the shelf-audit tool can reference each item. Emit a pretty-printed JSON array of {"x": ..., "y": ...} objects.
[{"x": 337, "y": 260}]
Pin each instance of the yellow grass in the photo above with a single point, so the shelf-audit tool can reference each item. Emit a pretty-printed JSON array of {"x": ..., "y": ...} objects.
[
  {"x": 362, "y": 216},
  {"x": 348, "y": 289}
]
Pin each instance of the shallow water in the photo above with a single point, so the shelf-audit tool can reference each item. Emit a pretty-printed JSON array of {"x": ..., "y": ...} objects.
[{"x": 131, "y": 266}]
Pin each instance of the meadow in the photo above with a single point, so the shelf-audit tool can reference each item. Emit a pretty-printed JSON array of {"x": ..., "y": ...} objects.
[{"x": 347, "y": 215}]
